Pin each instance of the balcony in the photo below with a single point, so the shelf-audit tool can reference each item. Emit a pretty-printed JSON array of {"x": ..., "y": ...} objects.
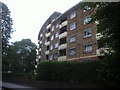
[
  {"x": 39, "y": 57},
  {"x": 48, "y": 26},
  {"x": 98, "y": 36},
  {"x": 47, "y": 52},
  {"x": 63, "y": 24},
  {"x": 48, "y": 34},
  {"x": 62, "y": 58},
  {"x": 101, "y": 51},
  {"x": 47, "y": 43},
  {"x": 62, "y": 46},
  {"x": 63, "y": 35},
  {"x": 40, "y": 42},
  {"x": 39, "y": 49}
]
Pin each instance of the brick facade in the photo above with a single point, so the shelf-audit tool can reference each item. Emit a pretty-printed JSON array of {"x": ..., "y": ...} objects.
[{"x": 83, "y": 48}]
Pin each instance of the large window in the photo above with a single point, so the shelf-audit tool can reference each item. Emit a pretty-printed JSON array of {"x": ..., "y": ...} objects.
[
  {"x": 73, "y": 26},
  {"x": 72, "y": 15},
  {"x": 88, "y": 48},
  {"x": 55, "y": 55},
  {"x": 62, "y": 52},
  {"x": 72, "y": 51},
  {"x": 56, "y": 45},
  {"x": 52, "y": 37},
  {"x": 51, "y": 47},
  {"x": 57, "y": 34},
  {"x": 73, "y": 38},
  {"x": 52, "y": 28},
  {"x": 51, "y": 57},
  {"x": 88, "y": 33},
  {"x": 87, "y": 19}
]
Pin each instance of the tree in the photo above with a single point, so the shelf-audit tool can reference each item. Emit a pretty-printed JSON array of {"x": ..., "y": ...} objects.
[
  {"x": 6, "y": 27},
  {"x": 107, "y": 14},
  {"x": 21, "y": 56}
]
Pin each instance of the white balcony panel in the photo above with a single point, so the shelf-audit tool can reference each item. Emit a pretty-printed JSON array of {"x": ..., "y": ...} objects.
[
  {"x": 62, "y": 58},
  {"x": 48, "y": 34},
  {"x": 39, "y": 57},
  {"x": 100, "y": 51},
  {"x": 63, "y": 46},
  {"x": 63, "y": 35},
  {"x": 47, "y": 52},
  {"x": 48, "y": 26},
  {"x": 40, "y": 42},
  {"x": 98, "y": 36},
  {"x": 39, "y": 49},
  {"x": 37, "y": 60},
  {"x": 47, "y": 43},
  {"x": 63, "y": 24}
]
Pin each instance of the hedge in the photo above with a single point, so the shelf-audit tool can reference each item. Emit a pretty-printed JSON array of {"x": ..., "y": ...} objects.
[{"x": 68, "y": 71}]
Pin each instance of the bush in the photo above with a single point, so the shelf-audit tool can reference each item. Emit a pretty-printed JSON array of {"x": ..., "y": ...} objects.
[{"x": 68, "y": 71}]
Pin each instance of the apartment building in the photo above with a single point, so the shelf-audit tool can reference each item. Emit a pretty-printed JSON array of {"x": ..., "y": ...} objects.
[{"x": 69, "y": 36}]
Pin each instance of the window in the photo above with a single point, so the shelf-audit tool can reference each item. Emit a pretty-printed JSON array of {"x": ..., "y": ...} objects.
[
  {"x": 55, "y": 55},
  {"x": 51, "y": 57},
  {"x": 72, "y": 26},
  {"x": 51, "y": 47},
  {"x": 62, "y": 52},
  {"x": 86, "y": 8},
  {"x": 87, "y": 33},
  {"x": 47, "y": 57},
  {"x": 72, "y": 51},
  {"x": 87, "y": 19},
  {"x": 72, "y": 15},
  {"x": 52, "y": 28},
  {"x": 52, "y": 37},
  {"x": 73, "y": 38},
  {"x": 57, "y": 34},
  {"x": 57, "y": 25},
  {"x": 87, "y": 48},
  {"x": 56, "y": 45}
]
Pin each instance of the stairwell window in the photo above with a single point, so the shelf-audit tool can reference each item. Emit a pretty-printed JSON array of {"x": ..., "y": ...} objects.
[
  {"x": 72, "y": 15},
  {"x": 73, "y": 26},
  {"x": 87, "y": 33}
]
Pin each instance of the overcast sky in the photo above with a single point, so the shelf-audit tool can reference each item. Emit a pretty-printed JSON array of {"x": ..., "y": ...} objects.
[{"x": 29, "y": 15}]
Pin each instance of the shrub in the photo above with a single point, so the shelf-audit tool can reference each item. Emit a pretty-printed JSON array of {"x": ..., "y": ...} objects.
[{"x": 68, "y": 71}]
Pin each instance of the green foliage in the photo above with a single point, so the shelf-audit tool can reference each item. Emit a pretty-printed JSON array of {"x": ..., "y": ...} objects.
[
  {"x": 20, "y": 57},
  {"x": 68, "y": 71},
  {"x": 107, "y": 13},
  {"x": 6, "y": 27}
]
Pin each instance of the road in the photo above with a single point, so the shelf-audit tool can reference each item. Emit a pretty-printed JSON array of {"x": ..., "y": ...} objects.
[{"x": 13, "y": 86}]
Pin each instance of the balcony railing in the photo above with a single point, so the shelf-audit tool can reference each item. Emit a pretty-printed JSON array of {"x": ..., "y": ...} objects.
[
  {"x": 47, "y": 52},
  {"x": 62, "y": 46},
  {"x": 63, "y": 24},
  {"x": 63, "y": 35},
  {"x": 48, "y": 26},
  {"x": 47, "y": 43},
  {"x": 48, "y": 34},
  {"x": 62, "y": 58}
]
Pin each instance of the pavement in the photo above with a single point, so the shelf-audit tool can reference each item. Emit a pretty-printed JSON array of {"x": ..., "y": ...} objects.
[{"x": 13, "y": 86}]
